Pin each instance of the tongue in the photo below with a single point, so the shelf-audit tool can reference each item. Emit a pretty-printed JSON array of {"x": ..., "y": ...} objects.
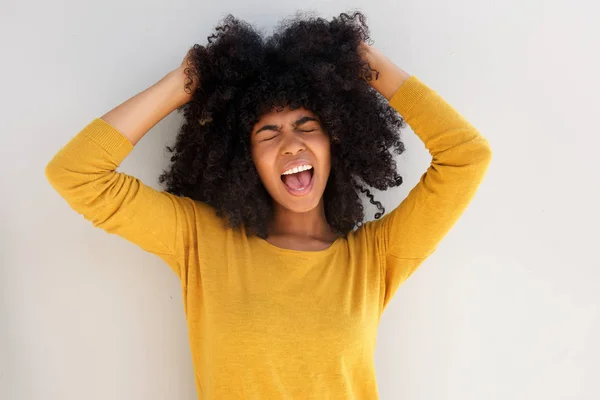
[{"x": 297, "y": 181}]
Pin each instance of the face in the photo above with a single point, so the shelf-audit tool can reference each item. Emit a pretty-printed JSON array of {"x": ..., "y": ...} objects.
[{"x": 282, "y": 140}]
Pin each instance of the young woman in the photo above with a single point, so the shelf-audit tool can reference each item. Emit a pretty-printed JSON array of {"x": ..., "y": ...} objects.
[{"x": 283, "y": 284}]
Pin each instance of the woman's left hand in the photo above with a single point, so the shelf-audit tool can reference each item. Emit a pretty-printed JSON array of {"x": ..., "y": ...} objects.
[{"x": 365, "y": 53}]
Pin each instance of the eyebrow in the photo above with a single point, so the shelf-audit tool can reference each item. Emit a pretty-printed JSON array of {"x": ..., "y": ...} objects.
[{"x": 295, "y": 124}]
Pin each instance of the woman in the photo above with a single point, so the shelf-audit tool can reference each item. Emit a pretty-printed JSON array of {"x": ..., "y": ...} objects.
[{"x": 283, "y": 285}]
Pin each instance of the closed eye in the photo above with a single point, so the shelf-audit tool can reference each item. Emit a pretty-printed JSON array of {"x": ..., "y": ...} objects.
[{"x": 272, "y": 137}]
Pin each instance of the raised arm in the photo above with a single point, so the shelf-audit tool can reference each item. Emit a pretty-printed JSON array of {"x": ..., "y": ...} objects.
[
  {"x": 460, "y": 157},
  {"x": 136, "y": 116},
  {"x": 84, "y": 173}
]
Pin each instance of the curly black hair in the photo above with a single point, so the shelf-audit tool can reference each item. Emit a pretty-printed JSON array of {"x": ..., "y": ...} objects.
[{"x": 307, "y": 62}]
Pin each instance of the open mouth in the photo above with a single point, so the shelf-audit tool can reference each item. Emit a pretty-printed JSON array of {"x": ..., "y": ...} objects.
[{"x": 299, "y": 183}]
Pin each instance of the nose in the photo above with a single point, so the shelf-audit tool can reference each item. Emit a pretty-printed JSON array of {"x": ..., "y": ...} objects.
[{"x": 291, "y": 144}]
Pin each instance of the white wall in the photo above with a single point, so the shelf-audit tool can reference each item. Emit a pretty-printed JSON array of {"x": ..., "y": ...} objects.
[{"x": 507, "y": 308}]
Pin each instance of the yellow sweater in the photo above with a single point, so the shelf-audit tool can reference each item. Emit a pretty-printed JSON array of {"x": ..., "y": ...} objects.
[{"x": 272, "y": 323}]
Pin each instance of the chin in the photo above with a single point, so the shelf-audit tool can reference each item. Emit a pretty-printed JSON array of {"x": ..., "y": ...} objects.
[{"x": 298, "y": 206}]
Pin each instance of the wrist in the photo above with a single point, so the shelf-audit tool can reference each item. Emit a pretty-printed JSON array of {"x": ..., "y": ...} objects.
[
  {"x": 174, "y": 83},
  {"x": 390, "y": 76}
]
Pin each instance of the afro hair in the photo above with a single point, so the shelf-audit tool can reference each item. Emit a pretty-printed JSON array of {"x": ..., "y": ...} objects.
[{"x": 308, "y": 62}]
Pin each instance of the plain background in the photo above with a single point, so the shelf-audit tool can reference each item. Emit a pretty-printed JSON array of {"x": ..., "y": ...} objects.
[{"x": 507, "y": 308}]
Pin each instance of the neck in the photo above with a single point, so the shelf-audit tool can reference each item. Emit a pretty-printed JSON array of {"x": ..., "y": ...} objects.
[{"x": 311, "y": 224}]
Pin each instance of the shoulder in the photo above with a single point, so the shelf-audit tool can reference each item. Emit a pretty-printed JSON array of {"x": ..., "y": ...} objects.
[{"x": 198, "y": 214}]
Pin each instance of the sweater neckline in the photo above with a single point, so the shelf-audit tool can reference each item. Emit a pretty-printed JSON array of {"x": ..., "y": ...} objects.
[{"x": 332, "y": 247}]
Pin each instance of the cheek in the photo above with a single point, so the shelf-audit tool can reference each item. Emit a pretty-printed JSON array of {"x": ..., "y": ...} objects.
[
  {"x": 263, "y": 165},
  {"x": 324, "y": 155}
]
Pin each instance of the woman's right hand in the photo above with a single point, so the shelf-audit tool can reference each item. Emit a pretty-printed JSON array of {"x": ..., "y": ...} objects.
[{"x": 187, "y": 67}]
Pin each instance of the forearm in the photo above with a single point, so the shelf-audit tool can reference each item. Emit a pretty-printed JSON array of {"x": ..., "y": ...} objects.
[
  {"x": 136, "y": 116},
  {"x": 84, "y": 173},
  {"x": 460, "y": 159},
  {"x": 390, "y": 76},
  {"x": 443, "y": 130}
]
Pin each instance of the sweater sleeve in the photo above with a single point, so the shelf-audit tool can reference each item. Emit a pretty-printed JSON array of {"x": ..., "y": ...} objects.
[
  {"x": 460, "y": 156},
  {"x": 84, "y": 173}
]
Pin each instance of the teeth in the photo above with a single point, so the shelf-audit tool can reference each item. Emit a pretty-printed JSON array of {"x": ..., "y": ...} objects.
[{"x": 295, "y": 170}]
